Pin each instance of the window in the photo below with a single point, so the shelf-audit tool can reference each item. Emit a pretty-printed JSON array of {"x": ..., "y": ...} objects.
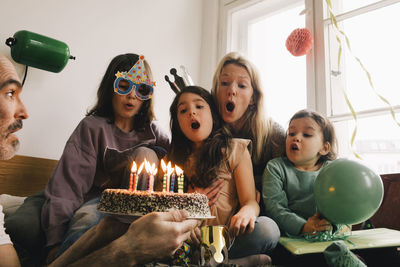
[
  {"x": 255, "y": 33},
  {"x": 259, "y": 30}
]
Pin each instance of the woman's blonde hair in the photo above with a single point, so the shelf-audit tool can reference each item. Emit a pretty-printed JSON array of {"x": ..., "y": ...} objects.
[{"x": 256, "y": 124}]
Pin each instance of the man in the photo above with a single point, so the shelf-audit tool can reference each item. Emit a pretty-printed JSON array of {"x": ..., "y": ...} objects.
[
  {"x": 12, "y": 112},
  {"x": 152, "y": 237}
]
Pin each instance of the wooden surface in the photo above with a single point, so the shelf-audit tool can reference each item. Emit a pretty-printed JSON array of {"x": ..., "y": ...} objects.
[{"x": 24, "y": 176}]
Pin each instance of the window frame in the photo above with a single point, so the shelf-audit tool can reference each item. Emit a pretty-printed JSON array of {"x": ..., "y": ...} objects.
[
  {"x": 315, "y": 69},
  {"x": 324, "y": 18},
  {"x": 318, "y": 61}
]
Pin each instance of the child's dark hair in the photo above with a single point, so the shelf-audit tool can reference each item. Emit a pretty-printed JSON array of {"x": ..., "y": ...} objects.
[
  {"x": 211, "y": 156},
  {"x": 103, "y": 106},
  {"x": 327, "y": 129}
]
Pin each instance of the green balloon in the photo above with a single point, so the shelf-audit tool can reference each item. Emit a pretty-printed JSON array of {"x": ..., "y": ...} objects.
[{"x": 347, "y": 192}]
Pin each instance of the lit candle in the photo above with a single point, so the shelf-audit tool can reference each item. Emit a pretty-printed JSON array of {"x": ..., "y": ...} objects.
[
  {"x": 151, "y": 170},
  {"x": 138, "y": 175},
  {"x": 132, "y": 177},
  {"x": 151, "y": 179},
  {"x": 147, "y": 167},
  {"x": 165, "y": 178},
  {"x": 172, "y": 182},
  {"x": 179, "y": 172},
  {"x": 170, "y": 171}
]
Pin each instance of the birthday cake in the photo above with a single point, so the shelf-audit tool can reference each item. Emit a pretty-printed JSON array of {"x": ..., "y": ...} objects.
[{"x": 123, "y": 201}]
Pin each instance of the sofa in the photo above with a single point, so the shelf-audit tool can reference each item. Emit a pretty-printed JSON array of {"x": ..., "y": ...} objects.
[
  {"x": 22, "y": 180},
  {"x": 24, "y": 176}
]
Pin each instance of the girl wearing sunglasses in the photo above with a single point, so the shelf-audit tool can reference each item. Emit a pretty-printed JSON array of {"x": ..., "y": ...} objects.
[{"x": 99, "y": 153}]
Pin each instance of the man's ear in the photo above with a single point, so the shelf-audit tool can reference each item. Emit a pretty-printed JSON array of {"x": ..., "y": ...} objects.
[{"x": 325, "y": 149}]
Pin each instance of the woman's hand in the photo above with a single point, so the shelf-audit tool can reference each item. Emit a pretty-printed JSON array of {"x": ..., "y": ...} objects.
[
  {"x": 315, "y": 224},
  {"x": 212, "y": 191}
]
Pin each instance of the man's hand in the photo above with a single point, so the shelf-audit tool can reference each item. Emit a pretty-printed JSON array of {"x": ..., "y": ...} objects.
[
  {"x": 212, "y": 192},
  {"x": 154, "y": 236},
  {"x": 195, "y": 237},
  {"x": 158, "y": 235}
]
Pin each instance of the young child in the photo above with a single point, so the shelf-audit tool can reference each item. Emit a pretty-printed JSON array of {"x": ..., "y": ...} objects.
[
  {"x": 207, "y": 153},
  {"x": 117, "y": 130},
  {"x": 288, "y": 182}
]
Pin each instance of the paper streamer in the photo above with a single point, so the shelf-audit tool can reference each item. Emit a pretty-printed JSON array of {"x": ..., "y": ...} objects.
[{"x": 338, "y": 39}]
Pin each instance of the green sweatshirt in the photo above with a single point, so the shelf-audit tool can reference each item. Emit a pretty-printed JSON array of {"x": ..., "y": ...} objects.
[{"x": 288, "y": 194}]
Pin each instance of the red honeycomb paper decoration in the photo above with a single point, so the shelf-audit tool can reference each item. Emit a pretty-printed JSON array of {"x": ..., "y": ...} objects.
[{"x": 299, "y": 42}]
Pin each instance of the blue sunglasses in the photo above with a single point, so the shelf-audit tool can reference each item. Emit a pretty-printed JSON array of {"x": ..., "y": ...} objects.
[{"x": 124, "y": 86}]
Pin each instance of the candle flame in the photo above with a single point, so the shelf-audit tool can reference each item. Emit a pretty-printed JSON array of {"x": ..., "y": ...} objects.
[
  {"x": 170, "y": 170},
  {"x": 133, "y": 169},
  {"x": 178, "y": 170},
  {"x": 163, "y": 165},
  {"x": 140, "y": 168},
  {"x": 147, "y": 165},
  {"x": 150, "y": 168}
]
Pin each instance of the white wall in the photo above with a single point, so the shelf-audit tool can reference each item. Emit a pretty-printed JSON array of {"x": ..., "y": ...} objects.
[{"x": 168, "y": 33}]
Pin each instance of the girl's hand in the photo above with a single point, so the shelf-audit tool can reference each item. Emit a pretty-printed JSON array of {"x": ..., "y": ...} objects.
[
  {"x": 315, "y": 224},
  {"x": 241, "y": 224},
  {"x": 212, "y": 192}
]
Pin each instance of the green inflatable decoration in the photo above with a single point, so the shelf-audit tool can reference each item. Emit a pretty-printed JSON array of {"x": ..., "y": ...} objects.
[
  {"x": 347, "y": 192},
  {"x": 39, "y": 51}
]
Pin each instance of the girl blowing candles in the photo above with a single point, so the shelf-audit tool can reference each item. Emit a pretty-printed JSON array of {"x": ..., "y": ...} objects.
[
  {"x": 207, "y": 153},
  {"x": 288, "y": 182}
]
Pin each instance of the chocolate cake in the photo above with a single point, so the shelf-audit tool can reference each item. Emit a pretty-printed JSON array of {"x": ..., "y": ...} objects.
[{"x": 122, "y": 201}]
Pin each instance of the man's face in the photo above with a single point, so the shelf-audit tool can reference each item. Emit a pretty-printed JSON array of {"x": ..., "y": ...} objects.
[{"x": 12, "y": 110}]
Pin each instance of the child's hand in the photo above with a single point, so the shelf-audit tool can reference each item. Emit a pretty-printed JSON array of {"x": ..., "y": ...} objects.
[
  {"x": 315, "y": 224},
  {"x": 343, "y": 229},
  {"x": 241, "y": 224}
]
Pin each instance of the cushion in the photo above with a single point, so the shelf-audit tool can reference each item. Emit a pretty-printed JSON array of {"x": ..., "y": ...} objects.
[
  {"x": 10, "y": 203},
  {"x": 24, "y": 225}
]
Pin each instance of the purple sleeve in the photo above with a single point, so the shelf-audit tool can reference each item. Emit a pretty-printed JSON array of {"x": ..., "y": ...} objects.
[
  {"x": 71, "y": 180},
  {"x": 162, "y": 138}
]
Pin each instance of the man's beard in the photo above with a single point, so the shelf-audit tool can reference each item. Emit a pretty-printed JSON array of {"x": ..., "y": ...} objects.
[{"x": 7, "y": 150}]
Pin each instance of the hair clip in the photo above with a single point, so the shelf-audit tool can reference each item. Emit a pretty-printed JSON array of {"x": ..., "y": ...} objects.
[{"x": 179, "y": 82}]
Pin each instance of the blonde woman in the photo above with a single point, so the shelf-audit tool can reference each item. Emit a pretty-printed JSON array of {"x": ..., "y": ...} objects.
[{"x": 238, "y": 95}]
